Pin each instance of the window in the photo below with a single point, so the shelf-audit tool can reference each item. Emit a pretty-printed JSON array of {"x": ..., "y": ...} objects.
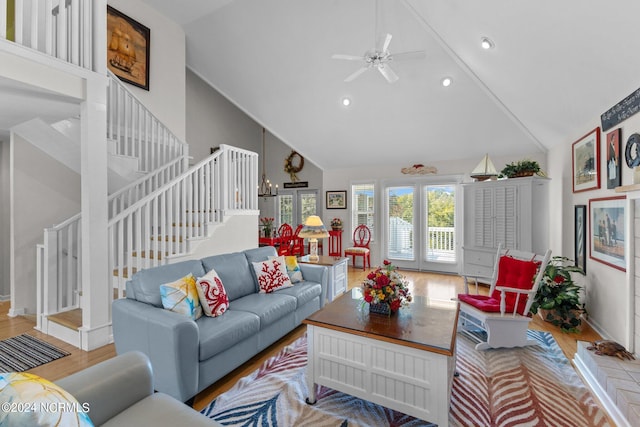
[
  {"x": 363, "y": 206},
  {"x": 285, "y": 210}
]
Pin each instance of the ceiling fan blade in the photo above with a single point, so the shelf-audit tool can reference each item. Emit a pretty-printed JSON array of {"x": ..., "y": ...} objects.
[
  {"x": 416, "y": 54},
  {"x": 388, "y": 73},
  {"x": 385, "y": 43},
  {"x": 348, "y": 57},
  {"x": 353, "y": 76}
]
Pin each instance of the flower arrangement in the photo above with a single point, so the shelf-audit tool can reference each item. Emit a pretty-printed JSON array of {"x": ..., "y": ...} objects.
[
  {"x": 558, "y": 296},
  {"x": 267, "y": 225},
  {"x": 385, "y": 285},
  {"x": 336, "y": 223}
]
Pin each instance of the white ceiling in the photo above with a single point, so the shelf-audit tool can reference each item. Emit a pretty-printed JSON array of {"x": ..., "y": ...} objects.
[{"x": 556, "y": 66}]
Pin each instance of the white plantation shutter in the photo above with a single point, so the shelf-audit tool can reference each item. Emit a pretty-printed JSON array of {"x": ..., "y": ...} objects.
[{"x": 363, "y": 206}]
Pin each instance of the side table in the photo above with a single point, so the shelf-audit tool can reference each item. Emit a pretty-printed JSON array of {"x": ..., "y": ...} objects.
[{"x": 337, "y": 266}]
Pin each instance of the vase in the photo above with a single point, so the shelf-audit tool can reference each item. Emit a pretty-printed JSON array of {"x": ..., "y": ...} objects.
[
  {"x": 336, "y": 227},
  {"x": 380, "y": 308}
]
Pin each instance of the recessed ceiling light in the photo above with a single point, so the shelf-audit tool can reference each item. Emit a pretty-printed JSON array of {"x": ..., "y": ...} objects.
[
  {"x": 486, "y": 43},
  {"x": 346, "y": 101},
  {"x": 446, "y": 82}
]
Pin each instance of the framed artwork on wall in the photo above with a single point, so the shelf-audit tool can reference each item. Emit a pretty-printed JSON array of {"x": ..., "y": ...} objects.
[
  {"x": 607, "y": 219},
  {"x": 586, "y": 162},
  {"x": 580, "y": 236},
  {"x": 614, "y": 169},
  {"x": 336, "y": 199},
  {"x": 128, "y": 48}
]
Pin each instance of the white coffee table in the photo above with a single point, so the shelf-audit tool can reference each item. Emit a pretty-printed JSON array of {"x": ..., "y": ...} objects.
[{"x": 405, "y": 362}]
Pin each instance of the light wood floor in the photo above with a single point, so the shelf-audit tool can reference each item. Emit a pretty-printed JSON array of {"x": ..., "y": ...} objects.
[{"x": 436, "y": 286}]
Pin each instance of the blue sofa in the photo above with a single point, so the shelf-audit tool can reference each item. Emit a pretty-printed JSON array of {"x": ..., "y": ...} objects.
[{"x": 187, "y": 356}]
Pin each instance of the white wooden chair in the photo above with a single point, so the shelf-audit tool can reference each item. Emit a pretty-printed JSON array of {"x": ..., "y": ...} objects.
[{"x": 504, "y": 313}]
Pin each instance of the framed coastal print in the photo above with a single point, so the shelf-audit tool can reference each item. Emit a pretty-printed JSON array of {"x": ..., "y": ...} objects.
[
  {"x": 586, "y": 162},
  {"x": 128, "y": 48},
  {"x": 580, "y": 236},
  {"x": 613, "y": 159},
  {"x": 607, "y": 219},
  {"x": 336, "y": 199}
]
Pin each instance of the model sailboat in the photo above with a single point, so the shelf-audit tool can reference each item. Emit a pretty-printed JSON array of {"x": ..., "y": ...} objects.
[{"x": 485, "y": 169}]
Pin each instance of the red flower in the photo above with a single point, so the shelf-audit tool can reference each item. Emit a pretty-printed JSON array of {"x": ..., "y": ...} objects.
[
  {"x": 387, "y": 262},
  {"x": 368, "y": 297},
  {"x": 395, "y": 305},
  {"x": 371, "y": 275},
  {"x": 382, "y": 280},
  {"x": 558, "y": 279}
]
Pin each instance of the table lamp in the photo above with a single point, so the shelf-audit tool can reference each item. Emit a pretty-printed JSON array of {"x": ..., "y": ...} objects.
[{"x": 313, "y": 230}]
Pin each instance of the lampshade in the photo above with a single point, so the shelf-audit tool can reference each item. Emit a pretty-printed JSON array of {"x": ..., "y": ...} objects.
[{"x": 313, "y": 228}]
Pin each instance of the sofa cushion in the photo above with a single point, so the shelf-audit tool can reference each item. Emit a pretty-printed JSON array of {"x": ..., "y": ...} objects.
[
  {"x": 146, "y": 283},
  {"x": 303, "y": 292},
  {"x": 262, "y": 253},
  {"x": 235, "y": 272},
  {"x": 30, "y": 391},
  {"x": 220, "y": 333},
  {"x": 182, "y": 297},
  {"x": 268, "y": 307},
  {"x": 272, "y": 275},
  {"x": 213, "y": 296},
  {"x": 293, "y": 269}
]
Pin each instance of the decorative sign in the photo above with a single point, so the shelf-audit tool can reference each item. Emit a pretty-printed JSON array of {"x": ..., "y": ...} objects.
[
  {"x": 621, "y": 111},
  {"x": 298, "y": 184}
]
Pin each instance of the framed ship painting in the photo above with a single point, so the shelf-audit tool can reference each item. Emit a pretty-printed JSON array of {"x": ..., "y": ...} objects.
[{"x": 128, "y": 48}]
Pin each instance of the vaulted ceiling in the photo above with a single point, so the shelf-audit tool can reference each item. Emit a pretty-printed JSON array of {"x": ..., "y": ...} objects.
[{"x": 554, "y": 68}]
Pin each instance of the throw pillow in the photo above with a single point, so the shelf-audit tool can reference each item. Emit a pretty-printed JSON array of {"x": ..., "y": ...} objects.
[
  {"x": 213, "y": 296},
  {"x": 181, "y": 297},
  {"x": 29, "y": 400},
  {"x": 293, "y": 269},
  {"x": 272, "y": 275}
]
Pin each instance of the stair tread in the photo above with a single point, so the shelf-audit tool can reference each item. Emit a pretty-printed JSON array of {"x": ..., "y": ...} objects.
[
  {"x": 71, "y": 319},
  {"x": 125, "y": 272}
]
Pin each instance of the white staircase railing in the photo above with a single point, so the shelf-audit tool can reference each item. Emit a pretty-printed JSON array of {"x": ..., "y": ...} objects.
[
  {"x": 59, "y": 28},
  {"x": 163, "y": 224},
  {"x": 137, "y": 132}
]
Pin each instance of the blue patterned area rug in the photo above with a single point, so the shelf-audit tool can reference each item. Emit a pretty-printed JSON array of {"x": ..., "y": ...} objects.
[
  {"x": 530, "y": 386},
  {"x": 24, "y": 352}
]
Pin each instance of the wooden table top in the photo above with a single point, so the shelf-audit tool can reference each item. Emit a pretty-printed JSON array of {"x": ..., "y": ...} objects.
[
  {"x": 425, "y": 324},
  {"x": 322, "y": 260}
]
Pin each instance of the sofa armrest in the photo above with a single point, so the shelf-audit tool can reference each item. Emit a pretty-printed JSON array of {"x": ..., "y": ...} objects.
[
  {"x": 318, "y": 274},
  {"x": 111, "y": 386},
  {"x": 170, "y": 340}
]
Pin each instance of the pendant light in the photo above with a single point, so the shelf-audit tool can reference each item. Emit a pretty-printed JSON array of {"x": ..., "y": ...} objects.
[{"x": 264, "y": 189}]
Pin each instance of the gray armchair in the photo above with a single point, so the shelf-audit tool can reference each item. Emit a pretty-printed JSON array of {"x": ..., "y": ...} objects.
[{"x": 120, "y": 392}]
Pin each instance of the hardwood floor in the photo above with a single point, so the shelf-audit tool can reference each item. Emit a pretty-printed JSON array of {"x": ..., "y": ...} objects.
[{"x": 438, "y": 286}]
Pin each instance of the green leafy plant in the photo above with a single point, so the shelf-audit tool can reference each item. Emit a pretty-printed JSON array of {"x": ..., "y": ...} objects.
[
  {"x": 559, "y": 294},
  {"x": 520, "y": 168}
]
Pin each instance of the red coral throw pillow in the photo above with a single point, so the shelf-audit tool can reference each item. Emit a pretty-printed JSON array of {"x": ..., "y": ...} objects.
[
  {"x": 515, "y": 273},
  {"x": 272, "y": 275},
  {"x": 212, "y": 294}
]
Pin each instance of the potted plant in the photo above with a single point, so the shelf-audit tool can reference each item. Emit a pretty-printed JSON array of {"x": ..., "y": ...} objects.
[
  {"x": 558, "y": 298},
  {"x": 520, "y": 168},
  {"x": 336, "y": 224}
]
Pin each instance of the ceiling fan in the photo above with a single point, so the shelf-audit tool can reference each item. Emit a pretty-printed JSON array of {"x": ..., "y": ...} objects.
[{"x": 380, "y": 58}]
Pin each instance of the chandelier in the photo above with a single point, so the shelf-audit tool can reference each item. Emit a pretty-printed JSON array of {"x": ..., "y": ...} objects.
[{"x": 264, "y": 189}]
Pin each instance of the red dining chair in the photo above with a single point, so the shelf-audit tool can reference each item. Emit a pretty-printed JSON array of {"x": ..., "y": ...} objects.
[
  {"x": 297, "y": 248},
  {"x": 285, "y": 235},
  {"x": 361, "y": 239}
]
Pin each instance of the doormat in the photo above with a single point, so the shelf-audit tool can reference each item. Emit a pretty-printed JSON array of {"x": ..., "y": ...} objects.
[{"x": 24, "y": 352}]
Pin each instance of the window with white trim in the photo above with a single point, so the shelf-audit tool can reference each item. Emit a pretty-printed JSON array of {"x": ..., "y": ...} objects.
[{"x": 363, "y": 206}]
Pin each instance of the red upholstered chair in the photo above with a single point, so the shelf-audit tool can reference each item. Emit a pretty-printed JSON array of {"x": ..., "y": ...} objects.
[
  {"x": 285, "y": 235},
  {"x": 297, "y": 248},
  {"x": 503, "y": 314},
  {"x": 361, "y": 239}
]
